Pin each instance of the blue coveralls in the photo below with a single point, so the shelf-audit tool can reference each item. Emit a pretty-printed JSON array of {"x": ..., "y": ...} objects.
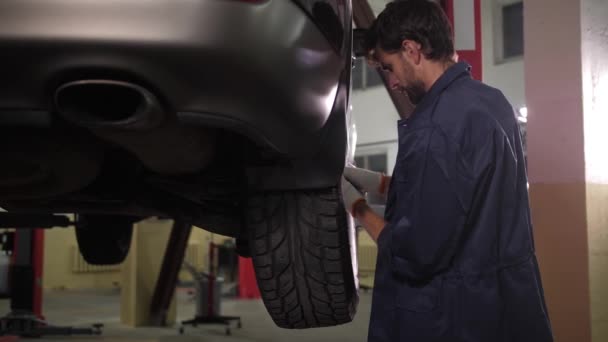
[{"x": 456, "y": 259}]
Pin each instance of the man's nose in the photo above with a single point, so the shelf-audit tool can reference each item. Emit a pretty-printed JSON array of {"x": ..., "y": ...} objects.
[{"x": 393, "y": 82}]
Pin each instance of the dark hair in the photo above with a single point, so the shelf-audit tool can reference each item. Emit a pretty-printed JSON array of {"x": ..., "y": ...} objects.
[{"x": 422, "y": 21}]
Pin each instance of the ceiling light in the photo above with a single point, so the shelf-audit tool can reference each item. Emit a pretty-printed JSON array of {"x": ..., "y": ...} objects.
[{"x": 523, "y": 112}]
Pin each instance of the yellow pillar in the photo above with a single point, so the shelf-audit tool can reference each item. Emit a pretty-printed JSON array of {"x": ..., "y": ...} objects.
[
  {"x": 566, "y": 65},
  {"x": 140, "y": 272}
]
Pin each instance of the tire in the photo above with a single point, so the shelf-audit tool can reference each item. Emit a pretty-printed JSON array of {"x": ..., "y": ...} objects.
[
  {"x": 104, "y": 239},
  {"x": 242, "y": 247},
  {"x": 301, "y": 249}
]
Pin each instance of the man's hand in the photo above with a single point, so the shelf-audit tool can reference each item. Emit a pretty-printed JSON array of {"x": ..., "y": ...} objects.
[
  {"x": 352, "y": 197},
  {"x": 367, "y": 181},
  {"x": 355, "y": 203}
]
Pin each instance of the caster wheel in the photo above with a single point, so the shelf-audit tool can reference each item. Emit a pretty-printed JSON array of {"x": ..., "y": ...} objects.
[
  {"x": 228, "y": 332},
  {"x": 181, "y": 330},
  {"x": 239, "y": 325}
]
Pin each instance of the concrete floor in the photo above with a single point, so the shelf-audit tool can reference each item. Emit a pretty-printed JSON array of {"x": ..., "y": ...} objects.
[{"x": 81, "y": 308}]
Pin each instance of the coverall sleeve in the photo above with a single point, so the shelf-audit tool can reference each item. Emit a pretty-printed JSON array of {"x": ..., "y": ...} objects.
[{"x": 434, "y": 200}]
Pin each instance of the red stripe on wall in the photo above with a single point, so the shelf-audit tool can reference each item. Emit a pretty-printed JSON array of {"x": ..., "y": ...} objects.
[
  {"x": 473, "y": 57},
  {"x": 448, "y": 7},
  {"x": 38, "y": 264}
]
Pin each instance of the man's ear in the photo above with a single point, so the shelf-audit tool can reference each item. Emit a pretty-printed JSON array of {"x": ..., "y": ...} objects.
[
  {"x": 372, "y": 59},
  {"x": 412, "y": 50}
]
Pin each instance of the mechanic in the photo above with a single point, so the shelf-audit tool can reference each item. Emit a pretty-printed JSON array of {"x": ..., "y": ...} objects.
[{"x": 456, "y": 259}]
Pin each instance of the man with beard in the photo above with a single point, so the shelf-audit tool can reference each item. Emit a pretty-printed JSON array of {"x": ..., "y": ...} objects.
[{"x": 456, "y": 258}]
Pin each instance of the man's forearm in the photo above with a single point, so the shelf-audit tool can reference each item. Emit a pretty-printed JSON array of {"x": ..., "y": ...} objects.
[{"x": 372, "y": 222}]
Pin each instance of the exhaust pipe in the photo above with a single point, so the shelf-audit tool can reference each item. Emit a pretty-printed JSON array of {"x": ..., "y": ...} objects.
[
  {"x": 132, "y": 117},
  {"x": 107, "y": 104}
]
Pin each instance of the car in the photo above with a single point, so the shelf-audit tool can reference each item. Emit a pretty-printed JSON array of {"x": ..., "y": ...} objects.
[{"x": 231, "y": 115}]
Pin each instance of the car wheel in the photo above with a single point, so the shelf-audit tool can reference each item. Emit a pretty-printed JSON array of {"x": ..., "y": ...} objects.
[
  {"x": 301, "y": 249},
  {"x": 104, "y": 239}
]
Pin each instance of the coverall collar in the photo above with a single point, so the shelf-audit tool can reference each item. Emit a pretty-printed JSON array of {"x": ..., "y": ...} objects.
[{"x": 453, "y": 73}]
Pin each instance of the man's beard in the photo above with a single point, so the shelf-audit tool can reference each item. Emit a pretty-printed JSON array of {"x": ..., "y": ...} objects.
[{"x": 415, "y": 92}]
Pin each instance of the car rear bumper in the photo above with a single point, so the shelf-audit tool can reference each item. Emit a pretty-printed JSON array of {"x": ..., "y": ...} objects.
[{"x": 265, "y": 68}]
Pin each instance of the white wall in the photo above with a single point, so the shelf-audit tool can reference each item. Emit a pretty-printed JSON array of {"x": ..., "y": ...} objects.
[
  {"x": 376, "y": 120},
  {"x": 507, "y": 76},
  {"x": 375, "y": 115}
]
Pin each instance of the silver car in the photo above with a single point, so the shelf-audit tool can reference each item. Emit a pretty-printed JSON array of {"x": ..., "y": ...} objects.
[{"x": 231, "y": 115}]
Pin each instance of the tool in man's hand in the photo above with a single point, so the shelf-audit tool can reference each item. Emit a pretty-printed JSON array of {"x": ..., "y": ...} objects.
[{"x": 372, "y": 182}]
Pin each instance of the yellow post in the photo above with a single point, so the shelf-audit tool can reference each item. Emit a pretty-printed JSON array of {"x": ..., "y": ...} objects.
[{"x": 140, "y": 272}]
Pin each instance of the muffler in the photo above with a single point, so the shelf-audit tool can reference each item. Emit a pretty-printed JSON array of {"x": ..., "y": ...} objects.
[{"x": 132, "y": 117}]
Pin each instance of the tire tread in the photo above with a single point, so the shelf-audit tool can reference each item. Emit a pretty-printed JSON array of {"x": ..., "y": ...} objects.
[{"x": 303, "y": 238}]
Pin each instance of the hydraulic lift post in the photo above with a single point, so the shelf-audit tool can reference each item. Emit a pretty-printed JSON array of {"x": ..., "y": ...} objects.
[
  {"x": 26, "y": 272},
  {"x": 364, "y": 16},
  {"x": 25, "y": 282}
]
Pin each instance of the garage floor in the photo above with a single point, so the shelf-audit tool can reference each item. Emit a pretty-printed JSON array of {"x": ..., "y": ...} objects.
[{"x": 85, "y": 308}]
